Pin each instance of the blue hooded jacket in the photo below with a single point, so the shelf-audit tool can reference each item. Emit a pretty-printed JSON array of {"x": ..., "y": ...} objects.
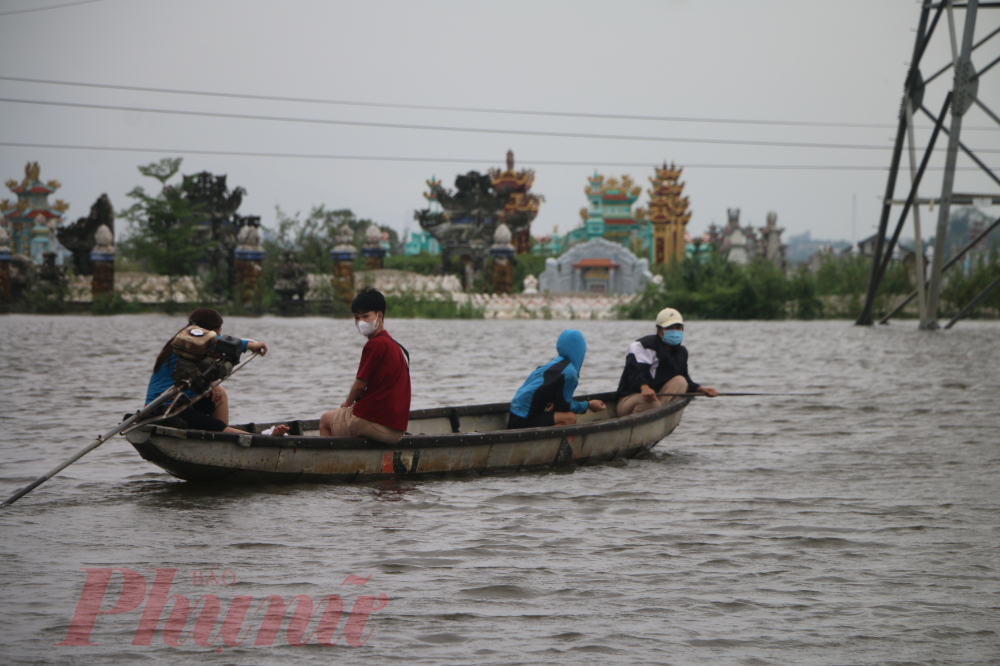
[{"x": 555, "y": 381}]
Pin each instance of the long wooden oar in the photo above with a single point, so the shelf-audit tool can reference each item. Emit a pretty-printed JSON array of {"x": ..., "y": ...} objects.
[
  {"x": 704, "y": 395},
  {"x": 166, "y": 395},
  {"x": 145, "y": 411}
]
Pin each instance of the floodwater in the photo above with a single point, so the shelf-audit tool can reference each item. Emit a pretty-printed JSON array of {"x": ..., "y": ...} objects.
[{"x": 860, "y": 526}]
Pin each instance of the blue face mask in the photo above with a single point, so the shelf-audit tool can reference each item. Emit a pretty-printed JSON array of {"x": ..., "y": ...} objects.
[{"x": 673, "y": 338}]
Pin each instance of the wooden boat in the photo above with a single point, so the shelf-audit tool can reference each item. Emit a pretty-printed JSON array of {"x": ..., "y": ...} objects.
[{"x": 446, "y": 441}]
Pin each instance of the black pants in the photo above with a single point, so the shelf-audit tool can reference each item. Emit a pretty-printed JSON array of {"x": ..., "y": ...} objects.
[
  {"x": 198, "y": 416},
  {"x": 543, "y": 420}
]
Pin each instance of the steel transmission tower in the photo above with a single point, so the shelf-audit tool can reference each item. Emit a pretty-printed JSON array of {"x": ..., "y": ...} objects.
[{"x": 962, "y": 96}]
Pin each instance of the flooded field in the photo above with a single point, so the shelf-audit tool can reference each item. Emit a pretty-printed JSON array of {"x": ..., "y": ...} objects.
[{"x": 859, "y": 526}]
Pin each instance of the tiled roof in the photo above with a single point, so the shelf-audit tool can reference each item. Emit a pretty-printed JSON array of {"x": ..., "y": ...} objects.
[
  {"x": 34, "y": 187},
  {"x": 30, "y": 214},
  {"x": 595, "y": 263}
]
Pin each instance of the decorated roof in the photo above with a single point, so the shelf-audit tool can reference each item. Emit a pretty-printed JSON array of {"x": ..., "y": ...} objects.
[
  {"x": 595, "y": 263},
  {"x": 30, "y": 214},
  {"x": 612, "y": 189},
  {"x": 32, "y": 197},
  {"x": 666, "y": 205},
  {"x": 32, "y": 183},
  {"x": 434, "y": 184},
  {"x": 522, "y": 202}
]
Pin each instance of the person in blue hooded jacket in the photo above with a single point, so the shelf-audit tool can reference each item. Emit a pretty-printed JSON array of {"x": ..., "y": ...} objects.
[{"x": 546, "y": 397}]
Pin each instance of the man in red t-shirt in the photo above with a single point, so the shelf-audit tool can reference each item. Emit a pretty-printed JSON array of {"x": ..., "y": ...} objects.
[{"x": 378, "y": 405}]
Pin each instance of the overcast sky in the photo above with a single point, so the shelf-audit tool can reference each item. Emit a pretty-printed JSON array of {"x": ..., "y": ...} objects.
[{"x": 794, "y": 60}]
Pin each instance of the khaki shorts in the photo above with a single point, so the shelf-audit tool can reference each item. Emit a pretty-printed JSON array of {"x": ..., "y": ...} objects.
[
  {"x": 636, "y": 404},
  {"x": 343, "y": 423}
]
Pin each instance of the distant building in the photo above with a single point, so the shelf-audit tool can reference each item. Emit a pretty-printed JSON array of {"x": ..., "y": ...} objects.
[
  {"x": 659, "y": 234},
  {"x": 866, "y": 247},
  {"x": 668, "y": 215},
  {"x": 597, "y": 266},
  {"x": 32, "y": 222},
  {"x": 734, "y": 243},
  {"x": 522, "y": 206},
  {"x": 463, "y": 221},
  {"x": 771, "y": 247},
  {"x": 609, "y": 215},
  {"x": 803, "y": 246},
  {"x": 824, "y": 254},
  {"x": 421, "y": 242},
  {"x": 741, "y": 245},
  {"x": 550, "y": 244},
  {"x": 698, "y": 247}
]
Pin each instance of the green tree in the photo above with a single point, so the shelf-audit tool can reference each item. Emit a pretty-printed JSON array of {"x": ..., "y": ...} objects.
[
  {"x": 525, "y": 265},
  {"x": 961, "y": 287},
  {"x": 423, "y": 263},
  {"x": 164, "y": 226},
  {"x": 314, "y": 236},
  {"x": 802, "y": 289},
  {"x": 712, "y": 288},
  {"x": 844, "y": 276}
]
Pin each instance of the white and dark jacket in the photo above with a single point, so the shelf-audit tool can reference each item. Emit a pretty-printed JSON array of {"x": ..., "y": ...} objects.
[{"x": 652, "y": 362}]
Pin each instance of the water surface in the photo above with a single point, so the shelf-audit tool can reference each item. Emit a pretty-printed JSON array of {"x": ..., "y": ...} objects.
[{"x": 860, "y": 526}]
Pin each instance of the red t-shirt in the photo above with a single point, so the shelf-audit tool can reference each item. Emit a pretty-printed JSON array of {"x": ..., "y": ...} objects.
[{"x": 386, "y": 400}]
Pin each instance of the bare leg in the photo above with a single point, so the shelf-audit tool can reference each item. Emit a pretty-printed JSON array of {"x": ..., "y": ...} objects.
[
  {"x": 326, "y": 424},
  {"x": 221, "y": 400},
  {"x": 565, "y": 418},
  {"x": 636, "y": 403}
]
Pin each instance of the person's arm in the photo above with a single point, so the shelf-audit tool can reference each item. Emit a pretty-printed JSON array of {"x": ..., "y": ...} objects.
[
  {"x": 357, "y": 390},
  {"x": 637, "y": 375},
  {"x": 253, "y": 345},
  {"x": 371, "y": 358},
  {"x": 570, "y": 380}
]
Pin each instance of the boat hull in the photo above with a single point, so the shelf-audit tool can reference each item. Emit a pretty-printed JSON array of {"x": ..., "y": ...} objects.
[{"x": 451, "y": 442}]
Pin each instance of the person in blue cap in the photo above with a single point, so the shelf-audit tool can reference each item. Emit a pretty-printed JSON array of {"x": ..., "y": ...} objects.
[{"x": 546, "y": 397}]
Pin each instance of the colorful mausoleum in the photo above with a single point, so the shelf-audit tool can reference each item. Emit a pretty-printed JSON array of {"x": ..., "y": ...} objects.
[
  {"x": 660, "y": 234},
  {"x": 522, "y": 206},
  {"x": 32, "y": 222},
  {"x": 421, "y": 242},
  {"x": 668, "y": 215},
  {"x": 610, "y": 215}
]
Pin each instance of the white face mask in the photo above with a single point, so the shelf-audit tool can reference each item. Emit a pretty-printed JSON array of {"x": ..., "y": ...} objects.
[{"x": 368, "y": 328}]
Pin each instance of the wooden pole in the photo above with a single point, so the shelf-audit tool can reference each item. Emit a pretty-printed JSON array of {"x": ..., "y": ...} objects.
[
  {"x": 169, "y": 393},
  {"x": 145, "y": 411}
]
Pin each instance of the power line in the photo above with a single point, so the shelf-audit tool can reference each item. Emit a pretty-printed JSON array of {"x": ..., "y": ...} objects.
[
  {"x": 42, "y": 9},
  {"x": 467, "y": 130},
  {"x": 449, "y": 160},
  {"x": 462, "y": 109}
]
